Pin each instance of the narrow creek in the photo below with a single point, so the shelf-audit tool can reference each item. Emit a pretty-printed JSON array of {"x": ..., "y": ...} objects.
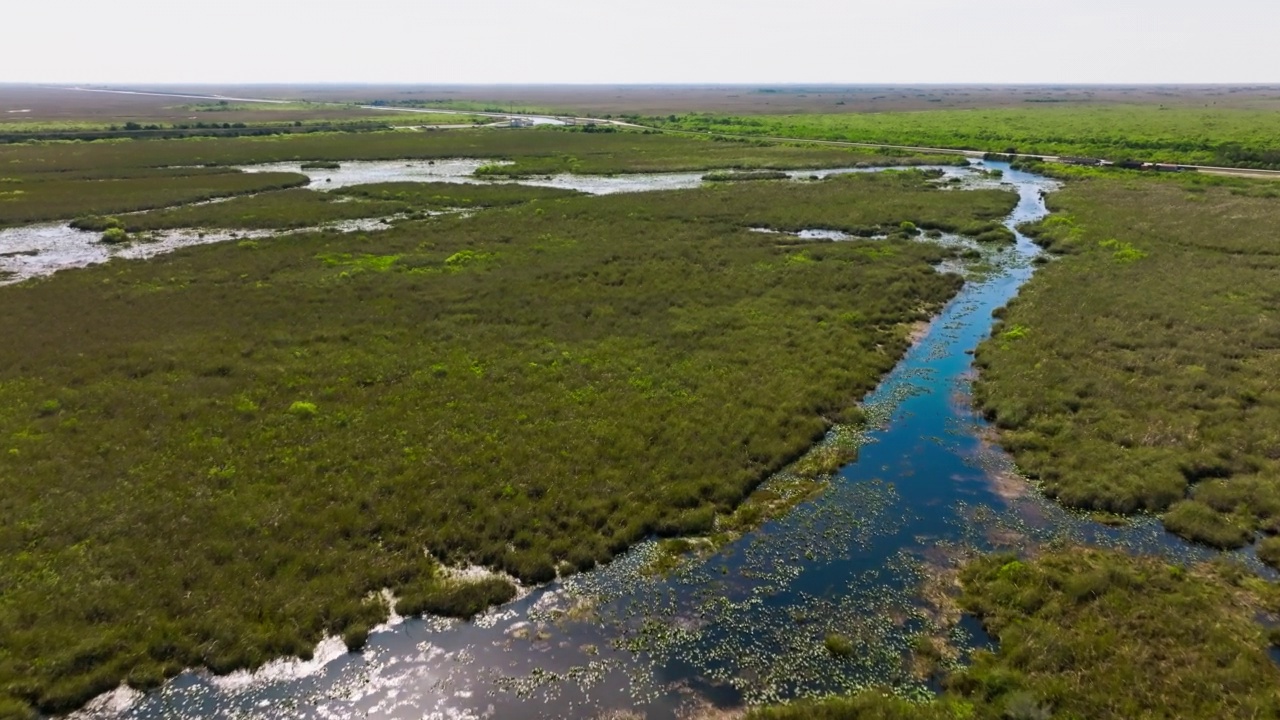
[{"x": 744, "y": 625}]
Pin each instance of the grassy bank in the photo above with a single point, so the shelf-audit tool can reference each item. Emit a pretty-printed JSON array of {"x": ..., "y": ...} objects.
[
  {"x": 1139, "y": 371},
  {"x": 299, "y": 208},
  {"x": 440, "y": 196},
  {"x": 30, "y": 199},
  {"x": 213, "y": 457},
  {"x": 1096, "y": 634},
  {"x": 1235, "y": 137}
]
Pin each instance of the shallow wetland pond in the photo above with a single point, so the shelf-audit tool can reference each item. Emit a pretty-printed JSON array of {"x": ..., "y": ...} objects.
[
  {"x": 742, "y": 625},
  {"x": 39, "y": 250},
  {"x": 362, "y": 172}
]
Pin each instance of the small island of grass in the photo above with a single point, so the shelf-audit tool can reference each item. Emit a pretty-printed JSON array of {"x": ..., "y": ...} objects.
[{"x": 738, "y": 176}]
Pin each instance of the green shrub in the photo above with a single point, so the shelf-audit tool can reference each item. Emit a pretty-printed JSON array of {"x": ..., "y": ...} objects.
[
  {"x": 1132, "y": 393},
  {"x": 303, "y": 409},
  {"x": 115, "y": 236}
]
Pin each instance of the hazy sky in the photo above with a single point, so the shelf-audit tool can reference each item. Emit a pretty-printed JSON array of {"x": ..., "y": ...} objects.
[{"x": 646, "y": 41}]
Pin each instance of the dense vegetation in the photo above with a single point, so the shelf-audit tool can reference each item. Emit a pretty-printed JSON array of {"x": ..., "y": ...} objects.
[
  {"x": 64, "y": 180},
  {"x": 301, "y": 208},
  {"x": 213, "y": 457},
  {"x": 1139, "y": 372},
  {"x": 55, "y": 196},
  {"x": 295, "y": 208},
  {"x": 727, "y": 176},
  {"x": 441, "y": 196},
  {"x": 963, "y": 213},
  {"x": 539, "y": 150},
  {"x": 1233, "y": 137},
  {"x": 1100, "y": 635}
]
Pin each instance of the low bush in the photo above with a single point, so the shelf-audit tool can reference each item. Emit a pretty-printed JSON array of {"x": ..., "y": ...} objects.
[{"x": 114, "y": 236}]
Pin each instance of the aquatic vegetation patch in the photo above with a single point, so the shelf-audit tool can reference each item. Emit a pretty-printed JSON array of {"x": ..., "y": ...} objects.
[
  {"x": 838, "y": 645},
  {"x": 1100, "y": 634}
]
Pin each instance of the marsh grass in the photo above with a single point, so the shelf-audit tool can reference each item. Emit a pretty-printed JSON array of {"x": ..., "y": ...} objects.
[
  {"x": 285, "y": 209},
  {"x": 460, "y": 599},
  {"x": 537, "y": 151},
  {"x": 1092, "y": 633},
  {"x": 300, "y": 208},
  {"x": 454, "y": 195},
  {"x": 1143, "y": 375},
  {"x": 1233, "y": 137},
  {"x": 63, "y": 180},
  {"x": 724, "y": 176},
  {"x": 54, "y": 197}
]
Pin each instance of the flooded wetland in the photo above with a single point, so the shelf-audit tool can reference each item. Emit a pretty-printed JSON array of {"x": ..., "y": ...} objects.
[
  {"x": 743, "y": 622},
  {"x": 534, "y": 434}
]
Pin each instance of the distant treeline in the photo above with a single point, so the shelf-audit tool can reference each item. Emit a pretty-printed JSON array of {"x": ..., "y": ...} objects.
[
  {"x": 1149, "y": 133},
  {"x": 183, "y": 130}
]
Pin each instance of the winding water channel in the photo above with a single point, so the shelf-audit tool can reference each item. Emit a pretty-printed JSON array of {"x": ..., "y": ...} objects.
[{"x": 744, "y": 625}]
